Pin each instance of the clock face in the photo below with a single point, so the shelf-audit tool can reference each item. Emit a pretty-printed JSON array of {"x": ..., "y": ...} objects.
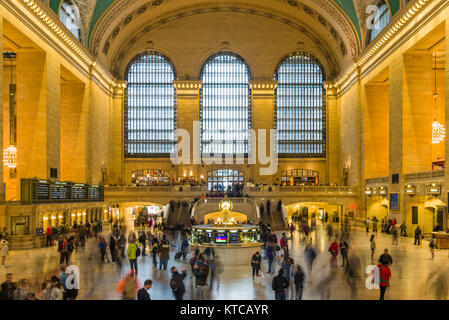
[{"x": 225, "y": 206}]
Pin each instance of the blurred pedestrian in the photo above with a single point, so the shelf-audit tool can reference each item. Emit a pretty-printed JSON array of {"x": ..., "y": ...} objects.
[
  {"x": 279, "y": 285},
  {"x": 143, "y": 294},
  {"x": 299, "y": 279},
  {"x": 4, "y": 248}
]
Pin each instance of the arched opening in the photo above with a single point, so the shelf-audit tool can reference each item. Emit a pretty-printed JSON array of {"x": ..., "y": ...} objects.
[
  {"x": 69, "y": 15},
  {"x": 150, "y": 107},
  {"x": 300, "y": 107},
  {"x": 225, "y": 107}
]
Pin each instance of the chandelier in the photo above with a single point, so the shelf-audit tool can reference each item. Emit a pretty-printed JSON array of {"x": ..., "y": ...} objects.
[
  {"x": 438, "y": 130},
  {"x": 10, "y": 153},
  {"x": 10, "y": 157}
]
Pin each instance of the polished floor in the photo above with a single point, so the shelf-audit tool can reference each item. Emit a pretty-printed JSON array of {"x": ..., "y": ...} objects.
[{"x": 410, "y": 279}]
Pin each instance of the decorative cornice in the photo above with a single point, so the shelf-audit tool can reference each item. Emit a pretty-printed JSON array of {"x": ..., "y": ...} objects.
[
  {"x": 56, "y": 27},
  {"x": 383, "y": 39},
  {"x": 188, "y": 84},
  {"x": 328, "y": 53},
  {"x": 188, "y": 89},
  {"x": 263, "y": 88}
]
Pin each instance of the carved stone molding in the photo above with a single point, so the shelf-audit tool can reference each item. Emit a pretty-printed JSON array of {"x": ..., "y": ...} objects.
[
  {"x": 188, "y": 88},
  {"x": 327, "y": 52},
  {"x": 263, "y": 88}
]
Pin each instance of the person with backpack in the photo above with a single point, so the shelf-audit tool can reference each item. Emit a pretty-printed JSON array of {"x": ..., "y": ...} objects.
[
  {"x": 284, "y": 243},
  {"x": 102, "y": 247},
  {"x": 279, "y": 284},
  {"x": 201, "y": 273},
  {"x": 384, "y": 277},
  {"x": 164, "y": 255},
  {"x": 177, "y": 282},
  {"x": 299, "y": 279},
  {"x": 155, "y": 251},
  {"x": 133, "y": 253},
  {"x": 63, "y": 249}
]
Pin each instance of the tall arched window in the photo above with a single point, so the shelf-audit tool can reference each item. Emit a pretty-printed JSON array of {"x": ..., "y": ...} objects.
[
  {"x": 70, "y": 17},
  {"x": 381, "y": 20},
  {"x": 300, "y": 109},
  {"x": 150, "y": 107},
  {"x": 225, "y": 111}
]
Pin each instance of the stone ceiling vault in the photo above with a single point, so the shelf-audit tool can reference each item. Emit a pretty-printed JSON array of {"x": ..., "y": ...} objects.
[{"x": 321, "y": 27}]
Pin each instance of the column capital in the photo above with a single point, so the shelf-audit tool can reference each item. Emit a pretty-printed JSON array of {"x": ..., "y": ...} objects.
[
  {"x": 119, "y": 90},
  {"x": 263, "y": 88},
  {"x": 188, "y": 88}
]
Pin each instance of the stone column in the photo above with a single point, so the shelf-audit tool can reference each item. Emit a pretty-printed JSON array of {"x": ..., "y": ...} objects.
[
  {"x": 2, "y": 187},
  {"x": 396, "y": 125},
  {"x": 332, "y": 137},
  {"x": 117, "y": 134},
  {"x": 38, "y": 115},
  {"x": 262, "y": 113},
  {"x": 446, "y": 84},
  {"x": 187, "y": 112},
  {"x": 74, "y": 139}
]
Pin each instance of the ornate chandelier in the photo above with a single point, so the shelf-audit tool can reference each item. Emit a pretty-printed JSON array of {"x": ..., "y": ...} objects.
[
  {"x": 438, "y": 130},
  {"x": 10, "y": 157}
]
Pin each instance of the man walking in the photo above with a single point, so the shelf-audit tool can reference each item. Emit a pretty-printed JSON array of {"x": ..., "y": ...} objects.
[
  {"x": 177, "y": 282},
  {"x": 344, "y": 248},
  {"x": 279, "y": 284},
  {"x": 385, "y": 274},
  {"x": 143, "y": 294},
  {"x": 418, "y": 232}
]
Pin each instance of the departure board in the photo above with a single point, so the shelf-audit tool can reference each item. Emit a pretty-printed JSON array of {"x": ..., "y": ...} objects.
[
  {"x": 43, "y": 190},
  {"x": 94, "y": 193},
  {"x": 59, "y": 192},
  {"x": 79, "y": 192},
  {"x": 46, "y": 191}
]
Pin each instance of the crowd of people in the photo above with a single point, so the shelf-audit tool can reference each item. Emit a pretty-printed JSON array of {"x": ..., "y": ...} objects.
[{"x": 288, "y": 279}]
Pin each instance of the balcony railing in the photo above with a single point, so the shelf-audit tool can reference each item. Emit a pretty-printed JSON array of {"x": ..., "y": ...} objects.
[
  {"x": 379, "y": 180},
  {"x": 423, "y": 176}
]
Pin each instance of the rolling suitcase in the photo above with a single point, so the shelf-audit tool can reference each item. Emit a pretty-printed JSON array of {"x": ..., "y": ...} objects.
[{"x": 178, "y": 255}]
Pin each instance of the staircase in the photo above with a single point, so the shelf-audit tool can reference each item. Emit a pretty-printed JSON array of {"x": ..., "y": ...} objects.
[
  {"x": 184, "y": 215},
  {"x": 172, "y": 216},
  {"x": 278, "y": 221}
]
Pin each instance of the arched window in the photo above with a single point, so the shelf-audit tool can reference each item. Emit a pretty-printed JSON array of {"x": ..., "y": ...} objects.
[
  {"x": 381, "y": 20},
  {"x": 300, "y": 110},
  {"x": 150, "y": 107},
  {"x": 224, "y": 180},
  {"x": 70, "y": 17},
  {"x": 225, "y": 111}
]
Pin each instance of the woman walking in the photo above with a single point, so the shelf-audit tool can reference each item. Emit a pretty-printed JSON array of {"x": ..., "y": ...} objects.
[
  {"x": 333, "y": 249},
  {"x": 5, "y": 251},
  {"x": 373, "y": 246}
]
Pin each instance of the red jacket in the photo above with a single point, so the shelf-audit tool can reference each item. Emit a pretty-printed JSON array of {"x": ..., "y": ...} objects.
[
  {"x": 334, "y": 248},
  {"x": 385, "y": 274},
  {"x": 49, "y": 231},
  {"x": 283, "y": 244}
]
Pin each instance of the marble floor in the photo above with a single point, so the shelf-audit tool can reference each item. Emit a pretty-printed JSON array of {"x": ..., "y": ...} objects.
[{"x": 410, "y": 280}]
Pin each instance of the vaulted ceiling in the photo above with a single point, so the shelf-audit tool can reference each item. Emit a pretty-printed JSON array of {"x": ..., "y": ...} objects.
[{"x": 333, "y": 30}]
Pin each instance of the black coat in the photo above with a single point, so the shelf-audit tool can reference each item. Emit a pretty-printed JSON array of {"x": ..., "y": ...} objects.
[
  {"x": 143, "y": 294},
  {"x": 279, "y": 284},
  {"x": 178, "y": 281}
]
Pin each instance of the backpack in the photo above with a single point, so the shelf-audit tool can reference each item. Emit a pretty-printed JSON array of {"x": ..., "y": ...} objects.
[{"x": 174, "y": 284}]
